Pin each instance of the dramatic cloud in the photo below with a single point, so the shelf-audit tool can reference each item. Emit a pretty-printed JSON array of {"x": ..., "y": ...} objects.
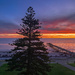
[
  {"x": 56, "y": 16},
  {"x": 64, "y": 24}
]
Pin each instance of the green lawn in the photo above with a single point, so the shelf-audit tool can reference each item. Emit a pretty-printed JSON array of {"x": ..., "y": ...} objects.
[
  {"x": 60, "y": 70},
  {"x": 56, "y": 70},
  {"x": 73, "y": 64},
  {"x": 3, "y": 72}
]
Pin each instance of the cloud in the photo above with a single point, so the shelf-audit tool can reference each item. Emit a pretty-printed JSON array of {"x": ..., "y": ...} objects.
[
  {"x": 60, "y": 24},
  {"x": 63, "y": 24},
  {"x": 8, "y": 27}
]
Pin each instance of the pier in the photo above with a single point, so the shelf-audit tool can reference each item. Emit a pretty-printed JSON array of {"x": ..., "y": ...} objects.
[{"x": 62, "y": 50}]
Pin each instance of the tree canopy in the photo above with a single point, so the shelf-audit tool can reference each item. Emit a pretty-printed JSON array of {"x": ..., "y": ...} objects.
[{"x": 30, "y": 54}]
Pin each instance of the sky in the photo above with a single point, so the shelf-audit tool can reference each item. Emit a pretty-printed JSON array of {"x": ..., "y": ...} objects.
[{"x": 57, "y": 17}]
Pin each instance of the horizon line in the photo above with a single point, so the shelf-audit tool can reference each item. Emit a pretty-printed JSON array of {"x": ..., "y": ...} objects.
[{"x": 45, "y": 35}]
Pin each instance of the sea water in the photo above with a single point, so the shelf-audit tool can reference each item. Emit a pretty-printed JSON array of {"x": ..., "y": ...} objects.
[{"x": 66, "y": 43}]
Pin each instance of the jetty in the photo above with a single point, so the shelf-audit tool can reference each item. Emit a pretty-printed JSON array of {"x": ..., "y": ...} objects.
[{"x": 59, "y": 49}]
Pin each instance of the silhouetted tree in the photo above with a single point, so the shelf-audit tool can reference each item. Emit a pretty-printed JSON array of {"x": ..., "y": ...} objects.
[{"x": 31, "y": 56}]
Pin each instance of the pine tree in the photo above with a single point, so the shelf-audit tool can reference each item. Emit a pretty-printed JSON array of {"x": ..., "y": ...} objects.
[{"x": 30, "y": 55}]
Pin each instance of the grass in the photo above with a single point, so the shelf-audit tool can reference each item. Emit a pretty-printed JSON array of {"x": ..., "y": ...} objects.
[
  {"x": 72, "y": 64},
  {"x": 3, "y": 71},
  {"x": 56, "y": 70},
  {"x": 60, "y": 70}
]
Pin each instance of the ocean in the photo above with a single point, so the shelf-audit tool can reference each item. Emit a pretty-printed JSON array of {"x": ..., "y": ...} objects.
[{"x": 66, "y": 43}]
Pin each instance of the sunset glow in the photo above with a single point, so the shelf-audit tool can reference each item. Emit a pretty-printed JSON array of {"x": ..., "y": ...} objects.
[
  {"x": 57, "y": 18},
  {"x": 34, "y": 34},
  {"x": 58, "y": 35},
  {"x": 43, "y": 36}
]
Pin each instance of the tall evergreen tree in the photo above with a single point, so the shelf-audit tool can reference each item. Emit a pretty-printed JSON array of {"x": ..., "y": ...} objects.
[{"x": 31, "y": 56}]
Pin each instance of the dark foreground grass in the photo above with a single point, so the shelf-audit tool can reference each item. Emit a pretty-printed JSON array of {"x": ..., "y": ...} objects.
[
  {"x": 73, "y": 64},
  {"x": 56, "y": 70},
  {"x": 3, "y": 71}
]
